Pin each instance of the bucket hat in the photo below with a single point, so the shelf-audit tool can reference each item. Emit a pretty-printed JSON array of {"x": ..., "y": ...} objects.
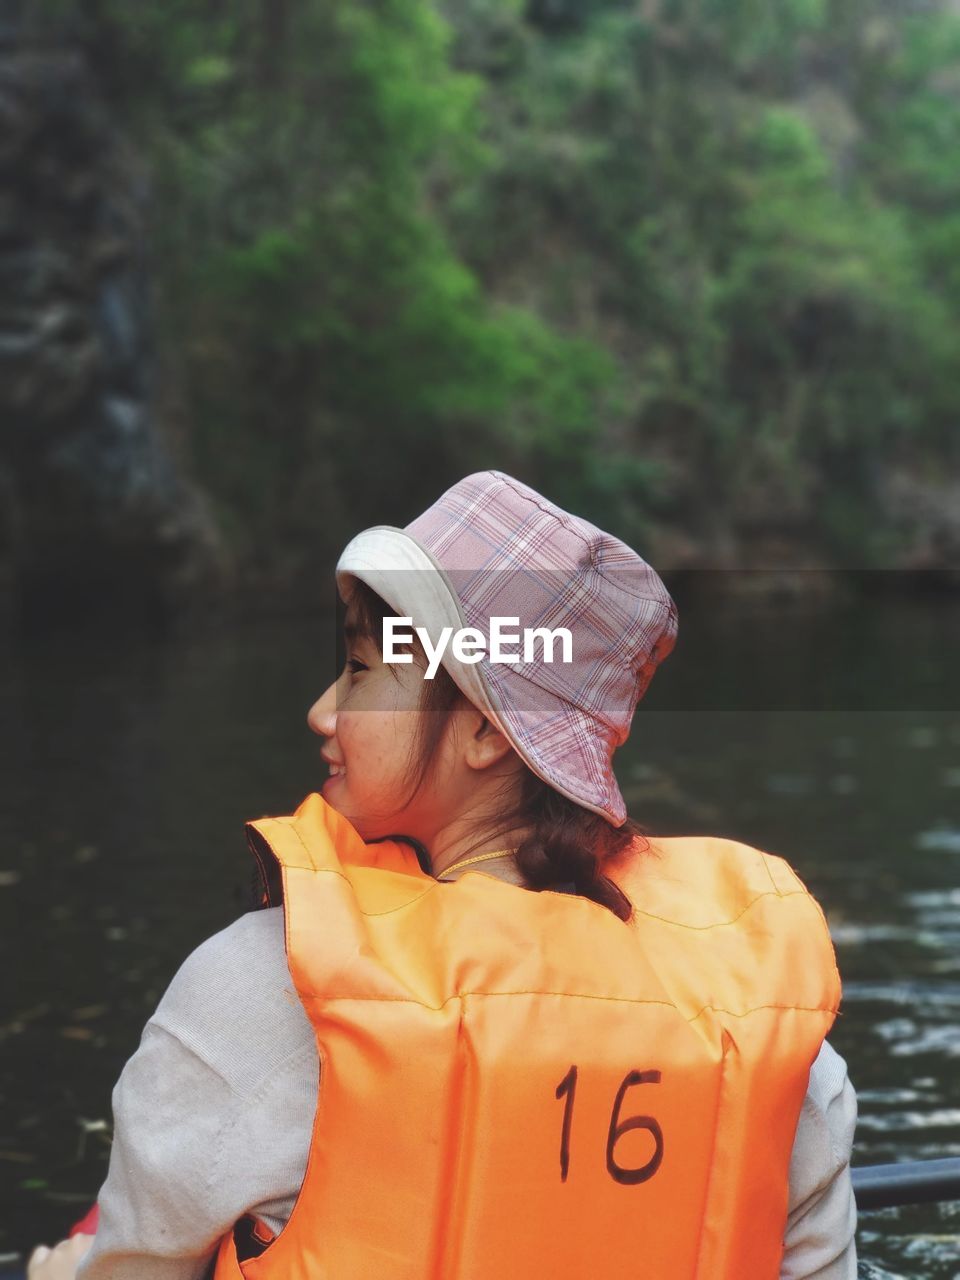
[{"x": 491, "y": 546}]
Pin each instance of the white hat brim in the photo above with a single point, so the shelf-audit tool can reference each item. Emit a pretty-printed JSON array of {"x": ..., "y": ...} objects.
[{"x": 404, "y": 574}]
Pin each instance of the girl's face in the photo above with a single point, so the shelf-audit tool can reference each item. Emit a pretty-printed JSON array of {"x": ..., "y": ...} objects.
[{"x": 369, "y": 717}]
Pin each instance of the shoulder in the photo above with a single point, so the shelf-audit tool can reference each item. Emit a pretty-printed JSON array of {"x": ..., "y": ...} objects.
[
  {"x": 226, "y": 1066},
  {"x": 820, "y": 1233},
  {"x": 825, "y": 1132},
  {"x": 829, "y": 1081},
  {"x": 233, "y": 1003},
  {"x": 704, "y": 880},
  {"x": 246, "y": 957},
  {"x": 257, "y": 933}
]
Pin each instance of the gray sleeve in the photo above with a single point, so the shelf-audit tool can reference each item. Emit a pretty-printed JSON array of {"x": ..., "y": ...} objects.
[
  {"x": 819, "y": 1242},
  {"x": 212, "y": 1114}
]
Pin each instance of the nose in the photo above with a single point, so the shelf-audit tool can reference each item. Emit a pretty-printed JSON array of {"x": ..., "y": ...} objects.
[{"x": 322, "y": 716}]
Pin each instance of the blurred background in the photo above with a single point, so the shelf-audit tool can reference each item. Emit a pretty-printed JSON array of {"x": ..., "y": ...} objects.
[{"x": 272, "y": 271}]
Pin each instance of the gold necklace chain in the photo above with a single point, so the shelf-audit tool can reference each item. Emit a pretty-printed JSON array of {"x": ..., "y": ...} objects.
[{"x": 480, "y": 857}]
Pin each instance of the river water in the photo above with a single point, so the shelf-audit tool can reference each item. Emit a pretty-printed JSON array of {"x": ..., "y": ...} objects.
[{"x": 130, "y": 762}]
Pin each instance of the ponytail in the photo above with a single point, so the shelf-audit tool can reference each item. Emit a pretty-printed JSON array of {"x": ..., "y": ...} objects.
[{"x": 569, "y": 845}]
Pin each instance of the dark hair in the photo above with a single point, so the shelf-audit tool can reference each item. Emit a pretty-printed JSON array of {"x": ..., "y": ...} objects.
[{"x": 567, "y": 844}]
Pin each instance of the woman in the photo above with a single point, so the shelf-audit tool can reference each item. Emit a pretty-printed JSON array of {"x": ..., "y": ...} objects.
[{"x": 608, "y": 1076}]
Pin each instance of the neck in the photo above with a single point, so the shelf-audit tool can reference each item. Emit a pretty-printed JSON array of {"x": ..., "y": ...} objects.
[
  {"x": 504, "y": 843},
  {"x": 501, "y": 865}
]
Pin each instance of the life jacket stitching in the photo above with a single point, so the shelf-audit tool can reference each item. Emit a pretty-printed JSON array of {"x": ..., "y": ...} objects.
[
  {"x": 332, "y": 871},
  {"x": 766, "y": 867},
  {"x": 572, "y": 995},
  {"x": 713, "y": 1155},
  {"x": 722, "y": 924},
  {"x": 650, "y": 915}
]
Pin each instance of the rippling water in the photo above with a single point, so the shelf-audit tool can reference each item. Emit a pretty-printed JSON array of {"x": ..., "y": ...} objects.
[{"x": 130, "y": 765}]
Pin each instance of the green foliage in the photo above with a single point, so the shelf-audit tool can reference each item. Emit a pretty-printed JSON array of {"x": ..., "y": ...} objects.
[
  {"x": 790, "y": 319},
  {"x": 661, "y": 257},
  {"x": 755, "y": 32}
]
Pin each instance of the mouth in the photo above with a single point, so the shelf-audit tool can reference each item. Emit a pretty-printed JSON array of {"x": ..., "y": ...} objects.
[
  {"x": 337, "y": 771},
  {"x": 336, "y": 767}
]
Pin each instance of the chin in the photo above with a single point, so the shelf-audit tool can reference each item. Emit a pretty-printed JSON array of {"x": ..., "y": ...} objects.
[
  {"x": 366, "y": 828},
  {"x": 331, "y": 792},
  {"x": 342, "y": 805}
]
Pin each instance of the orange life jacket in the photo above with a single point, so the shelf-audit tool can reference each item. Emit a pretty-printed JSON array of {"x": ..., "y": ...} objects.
[{"x": 517, "y": 1084}]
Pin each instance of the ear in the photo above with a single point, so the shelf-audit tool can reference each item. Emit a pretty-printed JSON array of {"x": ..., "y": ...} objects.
[{"x": 483, "y": 744}]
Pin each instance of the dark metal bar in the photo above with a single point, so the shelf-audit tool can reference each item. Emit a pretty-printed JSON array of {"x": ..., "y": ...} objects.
[
  {"x": 879, "y": 1186},
  {"x": 876, "y": 1186}
]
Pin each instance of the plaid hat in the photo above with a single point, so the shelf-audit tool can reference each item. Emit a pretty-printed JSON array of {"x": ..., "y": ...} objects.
[{"x": 493, "y": 547}]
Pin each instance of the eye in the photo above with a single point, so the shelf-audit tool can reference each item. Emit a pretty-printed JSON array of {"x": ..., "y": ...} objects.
[{"x": 355, "y": 665}]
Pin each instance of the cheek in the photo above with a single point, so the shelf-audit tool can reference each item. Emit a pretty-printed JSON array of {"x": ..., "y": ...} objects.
[
  {"x": 371, "y": 742},
  {"x": 377, "y": 732}
]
